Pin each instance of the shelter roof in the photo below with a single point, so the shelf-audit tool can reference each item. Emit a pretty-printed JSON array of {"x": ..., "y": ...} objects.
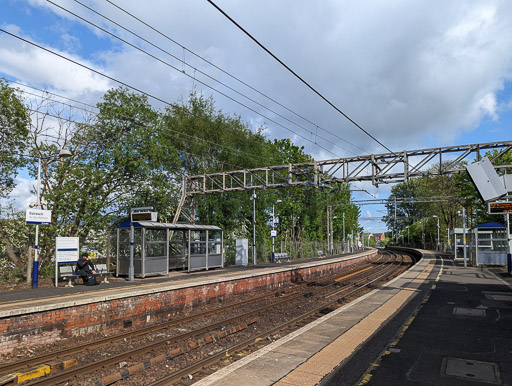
[
  {"x": 164, "y": 225},
  {"x": 490, "y": 225}
]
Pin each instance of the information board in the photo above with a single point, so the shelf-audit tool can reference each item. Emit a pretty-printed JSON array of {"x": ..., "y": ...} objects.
[
  {"x": 500, "y": 207},
  {"x": 67, "y": 249}
]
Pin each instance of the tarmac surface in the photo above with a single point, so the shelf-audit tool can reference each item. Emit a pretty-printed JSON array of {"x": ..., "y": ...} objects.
[
  {"x": 122, "y": 282},
  {"x": 459, "y": 334}
]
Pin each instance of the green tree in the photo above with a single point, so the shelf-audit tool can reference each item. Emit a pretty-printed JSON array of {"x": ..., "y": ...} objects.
[
  {"x": 118, "y": 161},
  {"x": 209, "y": 141},
  {"x": 14, "y": 235},
  {"x": 14, "y": 130},
  {"x": 442, "y": 196}
]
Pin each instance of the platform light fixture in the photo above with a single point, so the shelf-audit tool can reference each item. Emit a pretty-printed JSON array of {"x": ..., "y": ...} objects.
[
  {"x": 63, "y": 153},
  {"x": 273, "y": 234},
  {"x": 438, "y": 240}
]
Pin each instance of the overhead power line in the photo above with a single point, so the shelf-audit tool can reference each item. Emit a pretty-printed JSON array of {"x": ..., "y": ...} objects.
[
  {"x": 192, "y": 139},
  {"x": 227, "y": 73},
  {"x": 51, "y": 93},
  {"x": 176, "y": 58},
  {"x": 181, "y": 151},
  {"x": 153, "y": 96},
  {"x": 298, "y": 76}
]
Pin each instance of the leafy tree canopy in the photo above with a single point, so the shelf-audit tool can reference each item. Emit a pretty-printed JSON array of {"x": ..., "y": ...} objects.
[{"x": 14, "y": 130}]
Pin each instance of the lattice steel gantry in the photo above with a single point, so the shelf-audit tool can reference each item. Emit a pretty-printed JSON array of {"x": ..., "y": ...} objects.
[{"x": 378, "y": 168}]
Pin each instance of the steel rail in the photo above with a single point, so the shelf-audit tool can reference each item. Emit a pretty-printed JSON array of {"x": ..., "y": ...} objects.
[
  {"x": 144, "y": 330},
  {"x": 70, "y": 374},
  {"x": 194, "y": 368}
]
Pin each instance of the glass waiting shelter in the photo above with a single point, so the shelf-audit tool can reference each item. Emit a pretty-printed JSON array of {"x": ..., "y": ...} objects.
[
  {"x": 488, "y": 244},
  {"x": 159, "y": 247}
]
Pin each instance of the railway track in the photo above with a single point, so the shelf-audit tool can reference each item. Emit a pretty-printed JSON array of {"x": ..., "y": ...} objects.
[
  {"x": 293, "y": 324},
  {"x": 321, "y": 295}
]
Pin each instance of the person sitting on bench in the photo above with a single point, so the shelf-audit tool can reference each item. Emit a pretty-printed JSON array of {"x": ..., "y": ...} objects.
[{"x": 85, "y": 269}]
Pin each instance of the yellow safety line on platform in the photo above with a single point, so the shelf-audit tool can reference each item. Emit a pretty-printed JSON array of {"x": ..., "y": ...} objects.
[{"x": 325, "y": 361}]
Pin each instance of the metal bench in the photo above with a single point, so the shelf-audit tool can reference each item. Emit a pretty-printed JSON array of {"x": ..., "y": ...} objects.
[
  {"x": 67, "y": 272},
  {"x": 281, "y": 256},
  {"x": 320, "y": 253},
  {"x": 101, "y": 270}
]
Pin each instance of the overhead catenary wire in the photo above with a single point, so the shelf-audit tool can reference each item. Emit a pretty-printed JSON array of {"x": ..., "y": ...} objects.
[
  {"x": 195, "y": 69},
  {"x": 151, "y": 95},
  {"x": 46, "y": 135},
  {"x": 298, "y": 76},
  {"x": 50, "y": 93},
  {"x": 58, "y": 101},
  {"x": 232, "y": 76},
  {"x": 192, "y": 139},
  {"x": 247, "y": 156}
]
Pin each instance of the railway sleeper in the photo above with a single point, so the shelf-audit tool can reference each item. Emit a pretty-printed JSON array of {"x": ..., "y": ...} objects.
[{"x": 169, "y": 356}]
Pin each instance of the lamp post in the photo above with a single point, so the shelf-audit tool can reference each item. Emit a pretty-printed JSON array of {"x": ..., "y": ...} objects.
[
  {"x": 253, "y": 198},
  {"x": 344, "y": 250},
  {"x": 273, "y": 235},
  {"x": 464, "y": 235},
  {"x": 438, "y": 240},
  {"x": 35, "y": 265},
  {"x": 422, "y": 233},
  {"x": 332, "y": 234}
]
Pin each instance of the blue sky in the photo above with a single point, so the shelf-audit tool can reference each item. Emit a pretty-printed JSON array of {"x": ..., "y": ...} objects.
[{"x": 415, "y": 75}]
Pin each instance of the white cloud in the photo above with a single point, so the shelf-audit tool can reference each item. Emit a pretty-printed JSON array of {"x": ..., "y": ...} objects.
[
  {"x": 402, "y": 70},
  {"x": 35, "y": 66},
  {"x": 414, "y": 74},
  {"x": 21, "y": 196}
]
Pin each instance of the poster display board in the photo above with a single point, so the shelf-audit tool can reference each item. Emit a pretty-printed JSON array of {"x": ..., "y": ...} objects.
[{"x": 66, "y": 251}]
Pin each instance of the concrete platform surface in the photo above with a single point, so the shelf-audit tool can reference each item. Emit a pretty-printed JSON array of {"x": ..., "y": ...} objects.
[{"x": 460, "y": 335}]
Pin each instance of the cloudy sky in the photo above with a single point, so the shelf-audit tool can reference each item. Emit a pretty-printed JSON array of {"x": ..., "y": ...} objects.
[{"x": 414, "y": 74}]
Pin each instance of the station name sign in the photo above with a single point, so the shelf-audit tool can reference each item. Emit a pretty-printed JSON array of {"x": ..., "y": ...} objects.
[
  {"x": 500, "y": 207},
  {"x": 38, "y": 217}
]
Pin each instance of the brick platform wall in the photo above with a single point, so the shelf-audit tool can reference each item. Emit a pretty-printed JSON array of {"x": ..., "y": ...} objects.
[{"x": 35, "y": 329}]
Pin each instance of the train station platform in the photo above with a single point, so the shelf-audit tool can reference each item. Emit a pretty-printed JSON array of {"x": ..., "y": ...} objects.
[
  {"x": 42, "y": 299},
  {"x": 52, "y": 314},
  {"x": 438, "y": 323}
]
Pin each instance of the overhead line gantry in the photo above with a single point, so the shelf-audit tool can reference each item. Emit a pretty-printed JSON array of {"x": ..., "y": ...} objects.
[{"x": 382, "y": 168}]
